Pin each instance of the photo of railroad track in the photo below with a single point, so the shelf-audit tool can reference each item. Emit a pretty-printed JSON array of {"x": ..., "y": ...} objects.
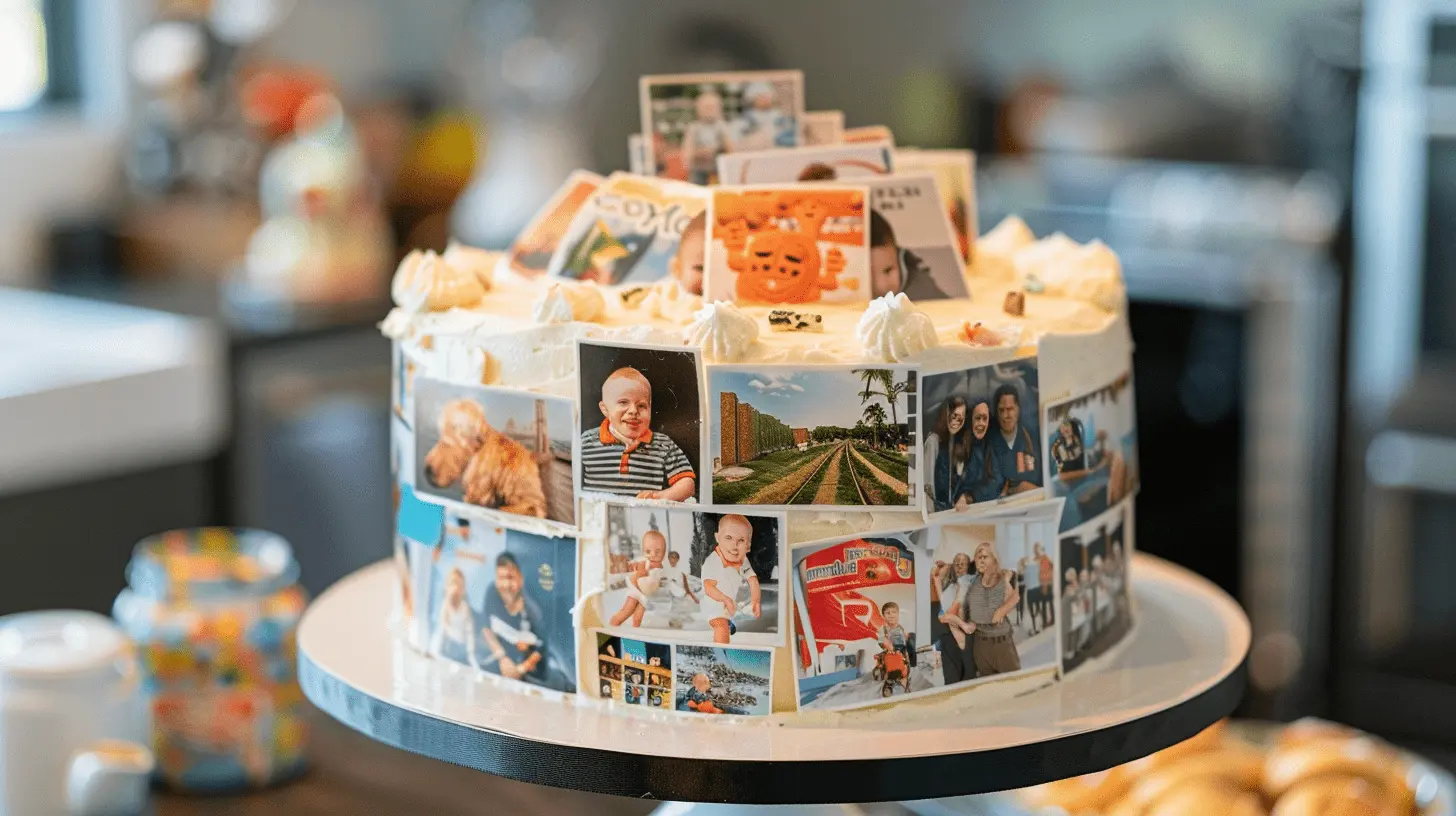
[{"x": 786, "y": 437}]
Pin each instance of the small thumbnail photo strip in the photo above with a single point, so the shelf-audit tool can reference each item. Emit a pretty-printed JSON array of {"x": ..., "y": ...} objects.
[
  {"x": 705, "y": 574},
  {"x": 688, "y": 120},
  {"x": 1092, "y": 450},
  {"x": 784, "y": 436},
  {"x": 1096, "y": 599},
  {"x": 690, "y": 678}
]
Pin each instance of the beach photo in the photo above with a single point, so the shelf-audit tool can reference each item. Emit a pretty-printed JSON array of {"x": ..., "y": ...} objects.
[
  {"x": 788, "y": 243},
  {"x": 857, "y": 632},
  {"x": 1096, "y": 602},
  {"x": 501, "y": 600},
  {"x": 1092, "y": 450},
  {"x": 783, "y": 436},
  {"x": 723, "y": 679},
  {"x": 982, "y": 439},
  {"x": 694, "y": 574},
  {"x": 641, "y": 421},
  {"x": 829, "y": 162},
  {"x": 688, "y": 120},
  {"x": 497, "y": 448},
  {"x": 913, "y": 248}
]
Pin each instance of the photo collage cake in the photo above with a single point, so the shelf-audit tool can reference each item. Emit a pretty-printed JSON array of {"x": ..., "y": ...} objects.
[{"x": 764, "y": 427}]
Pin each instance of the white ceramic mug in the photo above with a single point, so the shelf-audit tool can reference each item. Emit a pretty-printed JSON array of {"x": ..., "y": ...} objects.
[{"x": 73, "y": 723}]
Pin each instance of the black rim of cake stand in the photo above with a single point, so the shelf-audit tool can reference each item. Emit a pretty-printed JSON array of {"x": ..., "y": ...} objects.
[{"x": 749, "y": 782}]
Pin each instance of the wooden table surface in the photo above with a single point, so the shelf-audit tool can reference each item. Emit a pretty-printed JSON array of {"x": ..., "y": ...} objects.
[{"x": 352, "y": 774}]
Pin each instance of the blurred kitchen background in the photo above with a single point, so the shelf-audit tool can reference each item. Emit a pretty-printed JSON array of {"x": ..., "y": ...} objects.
[{"x": 1278, "y": 176}]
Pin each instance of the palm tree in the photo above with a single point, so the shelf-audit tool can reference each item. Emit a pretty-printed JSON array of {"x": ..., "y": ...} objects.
[
  {"x": 892, "y": 391},
  {"x": 875, "y": 414}
]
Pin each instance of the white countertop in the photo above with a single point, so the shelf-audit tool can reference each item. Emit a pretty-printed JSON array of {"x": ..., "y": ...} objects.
[{"x": 91, "y": 389}]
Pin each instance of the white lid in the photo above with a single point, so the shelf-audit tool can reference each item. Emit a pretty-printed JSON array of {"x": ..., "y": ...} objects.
[{"x": 57, "y": 642}]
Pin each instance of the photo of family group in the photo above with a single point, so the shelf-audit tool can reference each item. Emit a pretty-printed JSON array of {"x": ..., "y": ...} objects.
[
  {"x": 641, "y": 421},
  {"x": 688, "y": 120},
  {"x": 501, "y": 600},
  {"x": 694, "y": 574},
  {"x": 633, "y": 230},
  {"x": 982, "y": 436},
  {"x": 788, "y": 437},
  {"x": 1092, "y": 450},
  {"x": 799, "y": 243},
  {"x": 634, "y": 672},
  {"x": 993, "y": 595},
  {"x": 830, "y": 162},
  {"x": 1096, "y": 605},
  {"x": 857, "y": 635}
]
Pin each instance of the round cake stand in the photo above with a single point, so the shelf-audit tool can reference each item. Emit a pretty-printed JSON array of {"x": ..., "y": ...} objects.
[{"x": 1180, "y": 670}]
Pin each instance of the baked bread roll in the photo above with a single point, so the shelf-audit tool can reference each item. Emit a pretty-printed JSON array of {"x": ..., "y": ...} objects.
[
  {"x": 1359, "y": 757},
  {"x": 1091, "y": 792},
  {"x": 1207, "y": 739},
  {"x": 1236, "y": 766},
  {"x": 1208, "y": 798},
  {"x": 1338, "y": 796},
  {"x": 1312, "y": 729}
]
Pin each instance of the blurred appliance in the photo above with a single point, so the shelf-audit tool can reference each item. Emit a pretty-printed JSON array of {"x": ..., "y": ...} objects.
[{"x": 1234, "y": 309}]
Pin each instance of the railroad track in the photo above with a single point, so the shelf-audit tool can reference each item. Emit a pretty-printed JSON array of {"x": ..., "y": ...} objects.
[
  {"x": 853, "y": 476},
  {"x": 823, "y": 463}
]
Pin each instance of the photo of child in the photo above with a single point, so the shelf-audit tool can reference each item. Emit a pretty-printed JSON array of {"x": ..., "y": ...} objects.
[
  {"x": 857, "y": 634},
  {"x": 817, "y": 163},
  {"x": 913, "y": 248},
  {"x": 530, "y": 254},
  {"x": 805, "y": 243},
  {"x": 500, "y": 601},
  {"x": 954, "y": 172},
  {"x": 630, "y": 231},
  {"x": 723, "y": 680},
  {"x": 1092, "y": 450},
  {"x": 1096, "y": 606},
  {"x": 694, "y": 574},
  {"x": 496, "y": 448},
  {"x": 634, "y": 671},
  {"x": 982, "y": 443},
  {"x": 991, "y": 595},
  {"x": 689, "y": 119},
  {"x": 643, "y": 438}
]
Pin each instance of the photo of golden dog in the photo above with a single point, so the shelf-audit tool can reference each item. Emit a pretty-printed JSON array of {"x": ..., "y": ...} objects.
[{"x": 493, "y": 469}]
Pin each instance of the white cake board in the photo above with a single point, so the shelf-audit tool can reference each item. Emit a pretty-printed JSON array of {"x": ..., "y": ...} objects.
[{"x": 1181, "y": 670}]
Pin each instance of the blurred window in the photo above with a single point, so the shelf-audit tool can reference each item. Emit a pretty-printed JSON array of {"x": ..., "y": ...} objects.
[{"x": 37, "y": 53}]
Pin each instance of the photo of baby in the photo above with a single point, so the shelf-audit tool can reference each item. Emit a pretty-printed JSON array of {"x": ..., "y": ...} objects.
[
  {"x": 954, "y": 172},
  {"x": 631, "y": 231},
  {"x": 694, "y": 574},
  {"x": 689, "y": 119},
  {"x": 1092, "y": 450},
  {"x": 804, "y": 243},
  {"x": 982, "y": 443},
  {"x": 530, "y": 254},
  {"x": 1096, "y": 607},
  {"x": 913, "y": 248},
  {"x": 810, "y": 163},
  {"x": 634, "y": 671},
  {"x": 643, "y": 438},
  {"x": 500, "y": 601},
  {"x": 723, "y": 680},
  {"x": 496, "y": 448}
]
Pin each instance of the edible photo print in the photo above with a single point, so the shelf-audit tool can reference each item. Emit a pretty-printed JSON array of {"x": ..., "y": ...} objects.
[
  {"x": 641, "y": 421},
  {"x": 694, "y": 574},
  {"x": 635, "y": 230},
  {"x": 501, "y": 600},
  {"x": 857, "y": 635},
  {"x": 688, "y": 120},
  {"x": 913, "y": 248},
  {"x": 634, "y": 672},
  {"x": 992, "y": 595},
  {"x": 1096, "y": 603},
  {"x": 530, "y": 254},
  {"x": 954, "y": 172},
  {"x": 713, "y": 679},
  {"x": 823, "y": 127},
  {"x": 982, "y": 443},
  {"x": 1092, "y": 450},
  {"x": 801, "y": 243},
  {"x": 783, "y": 436},
  {"x": 497, "y": 448},
  {"x": 822, "y": 163}
]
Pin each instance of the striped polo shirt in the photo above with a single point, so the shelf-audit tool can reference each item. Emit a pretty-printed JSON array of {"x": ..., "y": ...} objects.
[{"x": 651, "y": 463}]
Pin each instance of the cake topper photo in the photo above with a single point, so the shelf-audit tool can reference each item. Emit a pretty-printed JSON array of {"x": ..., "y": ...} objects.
[
  {"x": 688, "y": 120},
  {"x": 831, "y": 162},
  {"x": 635, "y": 230}
]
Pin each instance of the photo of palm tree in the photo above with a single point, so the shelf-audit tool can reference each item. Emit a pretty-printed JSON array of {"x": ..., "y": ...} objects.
[{"x": 783, "y": 436}]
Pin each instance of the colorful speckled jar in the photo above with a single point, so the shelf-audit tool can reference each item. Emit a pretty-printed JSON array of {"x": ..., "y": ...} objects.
[{"x": 214, "y": 613}]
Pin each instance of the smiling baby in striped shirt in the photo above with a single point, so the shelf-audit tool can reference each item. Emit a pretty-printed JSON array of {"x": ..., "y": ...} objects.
[{"x": 624, "y": 456}]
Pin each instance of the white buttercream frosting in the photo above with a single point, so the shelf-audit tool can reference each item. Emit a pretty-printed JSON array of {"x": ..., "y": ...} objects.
[
  {"x": 396, "y": 325},
  {"x": 478, "y": 262},
  {"x": 723, "y": 331},
  {"x": 424, "y": 282},
  {"x": 564, "y": 302},
  {"x": 893, "y": 330},
  {"x": 552, "y": 307},
  {"x": 669, "y": 301},
  {"x": 455, "y": 360}
]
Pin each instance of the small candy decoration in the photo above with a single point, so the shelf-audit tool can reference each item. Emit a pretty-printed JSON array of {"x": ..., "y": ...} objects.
[
  {"x": 978, "y": 335},
  {"x": 633, "y": 296},
  {"x": 783, "y": 320},
  {"x": 1015, "y": 303}
]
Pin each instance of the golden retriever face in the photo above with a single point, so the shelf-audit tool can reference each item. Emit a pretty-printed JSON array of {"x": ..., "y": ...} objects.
[{"x": 462, "y": 432}]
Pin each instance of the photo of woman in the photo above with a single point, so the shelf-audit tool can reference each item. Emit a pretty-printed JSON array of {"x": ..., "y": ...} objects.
[
  {"x": 948, "y": 585},
  {"x": 961, "y": 469},
  {"x": 982, "y": 448}
]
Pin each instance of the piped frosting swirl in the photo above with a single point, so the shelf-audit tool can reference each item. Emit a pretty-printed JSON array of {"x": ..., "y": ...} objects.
[
  {"x": 722, "y": 331},
  {"x": 893, "y": 330}
]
